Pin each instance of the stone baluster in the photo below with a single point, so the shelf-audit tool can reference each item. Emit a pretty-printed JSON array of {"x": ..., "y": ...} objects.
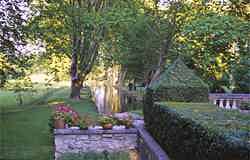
[
  {"x": 221, "y": 103},
  {"x": 234, "y": 105},
  {"x": 215, "y": 101},
  {"x": 228, "y": 104}
]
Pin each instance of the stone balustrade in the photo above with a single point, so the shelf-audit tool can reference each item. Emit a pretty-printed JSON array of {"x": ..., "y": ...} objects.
[{"x": 228, "y": 101}]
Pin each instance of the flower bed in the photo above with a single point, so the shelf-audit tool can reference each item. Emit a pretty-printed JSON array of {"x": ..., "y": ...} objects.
[{"x": 65, "y": 116}]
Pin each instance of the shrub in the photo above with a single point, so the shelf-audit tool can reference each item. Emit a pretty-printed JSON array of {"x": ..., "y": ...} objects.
[
  {"x": 107, "y": 120},
  {"x": 179, "y": 83},
  {"x": 182, "y": 94},
  {"x": 245, "y": 106},
  {"x": 184, "y": 137}
]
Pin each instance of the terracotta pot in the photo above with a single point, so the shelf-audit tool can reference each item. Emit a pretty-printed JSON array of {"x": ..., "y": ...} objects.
[
  {"x": 75, "y": 122},
  {"x": 107, "y": 126},
  {"x": 59, "y": 124}
]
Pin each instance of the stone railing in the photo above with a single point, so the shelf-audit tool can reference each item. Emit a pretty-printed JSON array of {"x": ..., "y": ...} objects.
[
  {"x": 148, "y": 148},
  {"x": 228, "y": 101}
]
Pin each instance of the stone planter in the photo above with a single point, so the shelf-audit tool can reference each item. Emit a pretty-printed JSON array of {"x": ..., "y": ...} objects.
[{"x": 59, "y": 124}]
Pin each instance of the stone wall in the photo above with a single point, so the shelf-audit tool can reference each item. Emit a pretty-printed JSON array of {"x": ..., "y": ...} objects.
[
  {"x": 148, "y": 148},
  {"x": 83, "y": 141}
]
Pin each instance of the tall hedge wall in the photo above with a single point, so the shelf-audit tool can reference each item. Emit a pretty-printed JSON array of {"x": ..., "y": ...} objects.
[
  {"x": 182, "y": 94},
  {"x": 185, "y": 139}
]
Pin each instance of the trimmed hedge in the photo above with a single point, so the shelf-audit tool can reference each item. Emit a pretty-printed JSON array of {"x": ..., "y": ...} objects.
[
  {"x": 185, "y": 139},
  {"x": 182, "y": 94},
  {"x": 179, "y": 83}
]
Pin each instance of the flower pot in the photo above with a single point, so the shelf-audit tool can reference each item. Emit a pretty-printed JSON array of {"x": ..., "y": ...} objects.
[
  {"x": 59, "y": 124},
  {"x": 107, "y": 126}
]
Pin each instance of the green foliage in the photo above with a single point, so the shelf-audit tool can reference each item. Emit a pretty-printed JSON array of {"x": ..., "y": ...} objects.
[
  {"x": 13, "y": 19},
  {"x": 198, "y": 131},
  {"x": 245, "y": 105},
  {"x": 241, "y": 75},
  {"x": 135, "y": 43},
  {"x": 13, "y": 67},
  {"x": 179, "y": 83},
  {"x": 57, "y": 66},
  {"x": 107, "y": 120},
  {"x": 20, "y": 86},
  {"x": 216, "y": 43}
]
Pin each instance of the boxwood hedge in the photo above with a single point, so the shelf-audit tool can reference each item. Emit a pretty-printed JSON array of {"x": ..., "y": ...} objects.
[
  {"x": 184, "y": 138},
  {"x": 179, "y": 83}
]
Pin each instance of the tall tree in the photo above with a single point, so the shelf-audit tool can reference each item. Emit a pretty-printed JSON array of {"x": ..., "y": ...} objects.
[
  {"x": 216, "y": 44},
  {"x": 76, "y": 29},
  {"x": 13, "y": 17},
  {"x": 85, "y": 41}
]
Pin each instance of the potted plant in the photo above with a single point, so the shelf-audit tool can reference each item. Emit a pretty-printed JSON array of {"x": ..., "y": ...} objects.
[
  {"x": 82, "y": 124},
  {"x": 59, "y": 121},
  {"x": 107, "y": 122},
  {"x": 127, "y": 122},
  {"x": 68, "y": 120}
]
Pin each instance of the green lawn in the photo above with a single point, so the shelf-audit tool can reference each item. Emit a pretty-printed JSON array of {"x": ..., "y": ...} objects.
[{"x": 24, "y": 133}]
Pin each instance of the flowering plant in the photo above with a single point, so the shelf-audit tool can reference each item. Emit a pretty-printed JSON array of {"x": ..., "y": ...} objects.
[
  {"x": 107, "y": 120},
  {"x": 128, "y": 121},
  {"x": 58, "y": 116},
  {"x": 66, "y": 109},
  {"x": 67, "y": 113}
]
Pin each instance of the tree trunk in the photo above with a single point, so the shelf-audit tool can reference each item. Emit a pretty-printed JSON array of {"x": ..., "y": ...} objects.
[
  {"x": 122, "y": 76},
  {"x": 76, "y": 86}
]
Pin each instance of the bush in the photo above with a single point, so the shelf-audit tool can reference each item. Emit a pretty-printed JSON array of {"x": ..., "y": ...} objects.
[
  {"x": 185, "y": 138},
  {"x": 179, "y": 83},
  {"x": 245, "y": 106},
  {"x": 182, "y": 94}
]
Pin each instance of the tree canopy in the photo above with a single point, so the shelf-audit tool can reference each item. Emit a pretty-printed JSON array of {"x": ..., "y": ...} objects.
[{"x": 140, "y": 36}]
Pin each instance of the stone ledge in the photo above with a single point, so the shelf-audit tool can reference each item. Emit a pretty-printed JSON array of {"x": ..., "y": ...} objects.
[
  {"x": 157, "y": 153},
  {"x": 93, "y": 132}
]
